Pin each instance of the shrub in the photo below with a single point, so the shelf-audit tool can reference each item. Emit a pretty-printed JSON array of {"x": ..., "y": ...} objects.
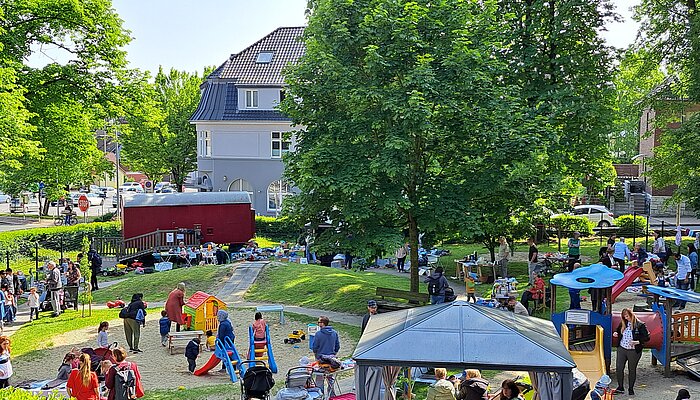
[
  {"x": 106, "y": 217},
  {"x": 628, "y": 226},
  {"x": 572, "y": 223},
  {"x": 71, "y": 238},
  {"x": 276, "y": 228},
  {"x": 19, "y": 394}
]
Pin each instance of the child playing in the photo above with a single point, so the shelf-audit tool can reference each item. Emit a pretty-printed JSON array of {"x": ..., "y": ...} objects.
[
  {"x": 66, "y": 367},
  {"x": 471, "y": 287},
  {"x": 259, "y": 327},
  {"x": 102, "y": 339},
  {"x": 33, "y": 303},
  {"x": 9, "y": 314},
  {"x": 164, "y": 323},
  {"x": 211, "y": 341},
  {"x": 191, "y": 353}
]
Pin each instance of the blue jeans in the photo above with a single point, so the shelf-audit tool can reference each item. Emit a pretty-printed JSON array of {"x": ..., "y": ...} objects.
[
  {"x": 437, "y": 299},
  {"x": 575, "y": 296},
  {"x": 682, "y": 286}
]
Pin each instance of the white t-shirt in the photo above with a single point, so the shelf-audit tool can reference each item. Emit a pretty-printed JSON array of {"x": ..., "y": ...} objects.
[{"x": 5, "y": 366}]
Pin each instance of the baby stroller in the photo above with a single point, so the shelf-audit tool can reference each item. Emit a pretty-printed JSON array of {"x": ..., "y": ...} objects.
[
  {"x": 299, "y": 385},
  {"x": 100, "y": 354},
  {"x": 257, "y": 381}
]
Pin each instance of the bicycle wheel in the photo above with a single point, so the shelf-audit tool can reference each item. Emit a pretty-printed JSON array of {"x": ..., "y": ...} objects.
[
  {"x": 73, "y": 220},
  {"x": 58, "y": 221}
]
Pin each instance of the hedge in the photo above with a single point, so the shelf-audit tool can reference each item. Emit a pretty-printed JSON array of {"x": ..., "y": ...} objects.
[
  {"x": 276, "y": 228},
  {"x": 628, "y": 227},
  {"x": 572, "y": 223},
  {"x": 71, "y": 238}
]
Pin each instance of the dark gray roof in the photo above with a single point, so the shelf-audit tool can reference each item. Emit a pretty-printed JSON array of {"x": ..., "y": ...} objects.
[
  {"x": 185, "y": 199},
  {"x": 244, "y": 69},
  {"x": 463, "y": 335},
  {"x": 220, "y": 103}
]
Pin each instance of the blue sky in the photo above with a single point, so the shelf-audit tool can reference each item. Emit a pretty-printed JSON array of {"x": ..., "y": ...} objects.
[{"x": 185, "y": 36}]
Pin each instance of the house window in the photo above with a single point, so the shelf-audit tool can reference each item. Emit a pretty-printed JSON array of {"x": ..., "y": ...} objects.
[
  {"x": 276, "y": 193},
  {"x": 251, "y": 99},
  {"x": 282, "y": 95},
  {"x": 264, "y": 57},
  {"x": 241, "y": 185},
  {"x": 205, "y": 144},
  {"x": 280, "y": 146}
]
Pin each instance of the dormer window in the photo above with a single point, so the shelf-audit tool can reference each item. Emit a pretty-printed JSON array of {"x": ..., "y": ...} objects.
[
  {"x": 251, "y": 99},
  {"x": 264, "y": 57}
]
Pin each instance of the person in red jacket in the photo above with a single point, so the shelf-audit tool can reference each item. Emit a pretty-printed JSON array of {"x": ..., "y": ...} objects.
[
  {"x": 120, "y": 357},
  {"x": 173, "y": 306}
]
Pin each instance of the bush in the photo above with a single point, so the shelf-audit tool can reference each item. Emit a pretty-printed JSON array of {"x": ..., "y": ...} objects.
[
  {"x": 628, "y": 226},
  {"x": 71, "y": 238},
  {"x": 572, "y": 223},
  {"x": 106, "y": 217},
  {"x": 19, "y": 394},
  {"x": 277, "y": 229}
]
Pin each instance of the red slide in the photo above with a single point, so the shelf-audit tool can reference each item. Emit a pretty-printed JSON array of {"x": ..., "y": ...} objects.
[
  {"x": 213, "y": 362},
  {"x": 631, "y": 274},
  {"x": 654, "y": 324}
]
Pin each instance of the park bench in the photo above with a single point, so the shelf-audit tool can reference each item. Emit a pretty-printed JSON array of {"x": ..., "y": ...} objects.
[
  {"x": 414, "y": 299},
  {"x": 181, "y": 339}
]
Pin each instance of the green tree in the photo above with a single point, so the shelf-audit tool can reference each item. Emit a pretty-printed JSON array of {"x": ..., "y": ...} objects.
[
  {"x": 405, "y": 113},
  {"x": 160, "y": 138}
]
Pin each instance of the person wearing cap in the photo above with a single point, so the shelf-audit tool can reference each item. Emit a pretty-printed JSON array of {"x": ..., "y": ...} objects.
[{"x": 371, "y": 310}]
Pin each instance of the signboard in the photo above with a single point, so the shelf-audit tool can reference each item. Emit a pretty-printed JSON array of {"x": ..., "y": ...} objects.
[
  {"x": 148, "y": 184},
  {"x": 578, "y": 317},
  {"x": 83, "y": 203},
  {"x": 169, "y": 237}
]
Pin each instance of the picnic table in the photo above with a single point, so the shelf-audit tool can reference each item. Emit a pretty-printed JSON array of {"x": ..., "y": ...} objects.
[{"x": 183, "y": 337}]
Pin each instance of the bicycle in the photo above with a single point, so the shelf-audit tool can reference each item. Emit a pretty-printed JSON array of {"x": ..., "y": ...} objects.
[{"x": 58, "y": 221}]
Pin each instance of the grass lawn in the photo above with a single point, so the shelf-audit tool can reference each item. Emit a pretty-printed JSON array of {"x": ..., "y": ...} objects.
[
  {"x": 157, "y": 286},
  {"x": 36, "y": 335},
  {"x": 320, "y": 287},
  {"x": 214, "y": 392}
]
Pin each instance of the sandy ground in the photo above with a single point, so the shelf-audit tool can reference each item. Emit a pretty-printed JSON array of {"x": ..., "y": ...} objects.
[{"x": 161, "y": 370}]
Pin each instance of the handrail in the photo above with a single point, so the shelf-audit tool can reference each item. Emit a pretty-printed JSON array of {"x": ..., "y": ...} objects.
[
  {"x": 685, "y": 327},
  {"x": 124, "y": 249}
]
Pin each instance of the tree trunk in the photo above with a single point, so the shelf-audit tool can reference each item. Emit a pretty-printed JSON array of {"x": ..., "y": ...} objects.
[{"x": 413, "y": 241}]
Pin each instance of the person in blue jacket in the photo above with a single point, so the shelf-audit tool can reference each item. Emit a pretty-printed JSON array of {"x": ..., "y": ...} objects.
[
  {"x": 326, "y": 345},
  {"x": 225, "y": 329}
]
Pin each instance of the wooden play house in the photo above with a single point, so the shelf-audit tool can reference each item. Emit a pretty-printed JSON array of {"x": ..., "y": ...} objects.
[{"x": 200, "y": 312}]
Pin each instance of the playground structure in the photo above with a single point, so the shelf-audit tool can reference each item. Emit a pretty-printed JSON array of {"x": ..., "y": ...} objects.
[
  {"x": 673, "y": 337},
  {"x": 225, "y": 352},
  {"x": 262, "y": 350},
  {"x": 200, "y": 312},
  {"x": 645, "y": 274}
]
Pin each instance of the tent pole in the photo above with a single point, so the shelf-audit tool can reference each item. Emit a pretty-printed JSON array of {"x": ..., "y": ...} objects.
[{"x": 362, "y": 370}]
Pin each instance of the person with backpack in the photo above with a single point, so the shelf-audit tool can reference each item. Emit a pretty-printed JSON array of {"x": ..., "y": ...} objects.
[
  {"x": 134, "y": 315},
  {"x": 123, "y": 379},
  {"x": 473, "y": 386},
  {"x": 437, "y": 284},
  {"x": 55, "y": 286},
  {"x": 95, "y": 267}
]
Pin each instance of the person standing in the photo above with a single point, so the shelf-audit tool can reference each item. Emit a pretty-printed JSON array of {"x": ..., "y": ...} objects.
[
  {"x": 437, "y": 283},
  {"x": 621, "y": 252},
  {"x": 173, "y": 306},
  {"x": 401, "y": 254},
  {"x": 123, "y": 365},
  {"x": 532, "y": 254},
  {"x": 5, "y": 363},
  {"x": 659, "y": 247},
  {"x": 33, "y": 303},
  {"x": 693, "y": 256},
  {"x": 55, "y": 285},
  {"x": 132, "y": 327},
  {"x": 682, "y": 276},
  {"x": 371, "y": 310},
  {"x": 82, "y": 382},
  {"x": 191, "y": 353},
  {"x": 95, "y": 267},
  {"x": 574, "y": 250},
  {"x": 632, "y": 335},
  {"x": 326, "y": 345},
  {"x": 611, "y": 241},
  {"x": 503, "y": 256}
]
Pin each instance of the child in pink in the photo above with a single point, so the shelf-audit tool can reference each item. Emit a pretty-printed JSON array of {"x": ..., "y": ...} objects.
[{"x": 259, "y": 327}]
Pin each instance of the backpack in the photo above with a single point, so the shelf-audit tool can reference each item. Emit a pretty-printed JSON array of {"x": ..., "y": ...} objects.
[
  {"x": 449, "y": 295},
  {"x": 434, "y": 287},
  {"x": 140, "y": 317},
  {"x": 124, "y": 383},
  {"x": 96, "y": 261}
]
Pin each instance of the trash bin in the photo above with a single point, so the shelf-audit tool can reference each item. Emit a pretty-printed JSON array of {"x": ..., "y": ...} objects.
[{"x": 312, "y": 329}]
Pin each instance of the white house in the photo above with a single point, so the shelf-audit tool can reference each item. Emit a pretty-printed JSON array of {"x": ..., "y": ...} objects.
[{"x": 240, "y": 134}]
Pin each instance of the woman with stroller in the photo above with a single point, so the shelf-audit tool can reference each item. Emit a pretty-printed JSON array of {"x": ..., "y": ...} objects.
[{"x": 82, "y": 382}]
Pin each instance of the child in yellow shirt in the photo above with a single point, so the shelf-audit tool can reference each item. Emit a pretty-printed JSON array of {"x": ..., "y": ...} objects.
[
  {"x": 211, "y": 341},
  {"x": 471, "y": 288}
]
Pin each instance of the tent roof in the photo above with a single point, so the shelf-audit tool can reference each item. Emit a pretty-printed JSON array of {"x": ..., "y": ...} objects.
[
  {"x": 186, "y": 199},
  {"x": 461, "y": 334}
]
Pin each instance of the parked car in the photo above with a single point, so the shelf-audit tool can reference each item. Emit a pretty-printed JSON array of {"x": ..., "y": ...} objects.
[
  {"x": 4, "y": 198},
  {"x": 131, "y": 187},
  {"x": 93, "y": 198},
  {"x": 599, "y": 215}
]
